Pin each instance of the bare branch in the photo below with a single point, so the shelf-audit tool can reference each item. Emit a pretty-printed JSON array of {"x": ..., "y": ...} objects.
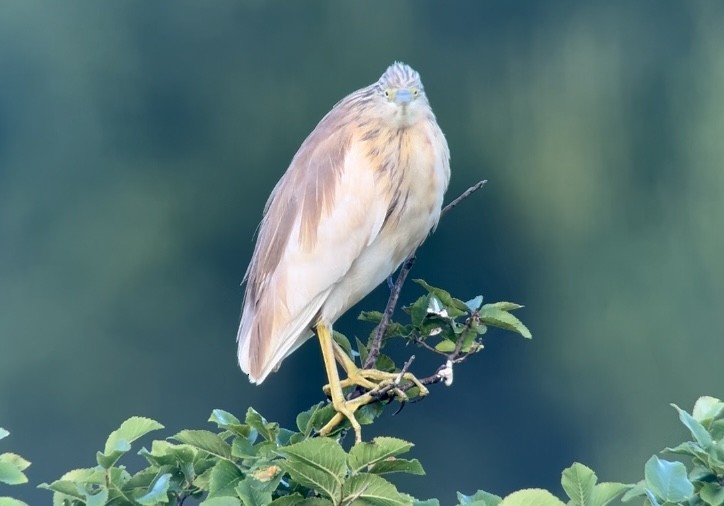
[
  {"x": 463, "y": 196},
  {"x": 374, "y": 350}
]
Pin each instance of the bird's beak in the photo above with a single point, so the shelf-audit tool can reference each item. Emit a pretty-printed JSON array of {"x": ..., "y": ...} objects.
[{"x": 403, "y": 96}]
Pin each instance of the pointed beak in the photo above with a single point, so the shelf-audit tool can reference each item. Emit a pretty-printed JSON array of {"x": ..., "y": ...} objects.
[{"x": 403, "y": 96}]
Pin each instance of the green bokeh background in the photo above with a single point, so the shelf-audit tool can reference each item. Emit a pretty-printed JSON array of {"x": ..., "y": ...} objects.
[{"x": 138, "y": 144}]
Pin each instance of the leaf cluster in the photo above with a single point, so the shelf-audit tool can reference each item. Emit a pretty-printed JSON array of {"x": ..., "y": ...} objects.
[
  {"x": 702, "y": 483},
  {"x": 12, "y": 467},
  {"x": 254, "y": 463},
  {"x": 440, "y": 323}
]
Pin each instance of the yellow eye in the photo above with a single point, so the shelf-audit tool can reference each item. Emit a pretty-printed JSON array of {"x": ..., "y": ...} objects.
[
  {"x": 415, "y": 92},
  {"x": 387, "y": 93}
]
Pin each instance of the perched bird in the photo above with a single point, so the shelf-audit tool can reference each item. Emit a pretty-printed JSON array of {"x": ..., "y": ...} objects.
[{"x": 362, "y": 193}]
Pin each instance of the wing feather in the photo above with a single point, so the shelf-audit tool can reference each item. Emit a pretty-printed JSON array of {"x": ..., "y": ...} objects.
[{"x": 324, "y": 211}]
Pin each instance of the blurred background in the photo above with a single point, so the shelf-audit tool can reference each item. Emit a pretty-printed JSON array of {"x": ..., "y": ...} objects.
[{"x": 139, "y": 142}]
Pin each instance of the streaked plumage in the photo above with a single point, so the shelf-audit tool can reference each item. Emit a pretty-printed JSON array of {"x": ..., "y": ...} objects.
[{"x": 363, "y": 191}]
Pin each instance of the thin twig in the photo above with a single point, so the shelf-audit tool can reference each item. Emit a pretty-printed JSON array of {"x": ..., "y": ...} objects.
[
  {"x": 376, "y": 345},
  {"x": 463, "y": 196}
]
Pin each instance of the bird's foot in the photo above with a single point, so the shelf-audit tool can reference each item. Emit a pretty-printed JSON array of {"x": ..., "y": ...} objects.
[{"x": 376, "y": 384}]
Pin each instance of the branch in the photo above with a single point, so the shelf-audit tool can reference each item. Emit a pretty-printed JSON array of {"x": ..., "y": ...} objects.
[
  {"x": 463, "y": 196},
  {"x": 374, "y": 350},
  {"x": 376, "y": 345}
]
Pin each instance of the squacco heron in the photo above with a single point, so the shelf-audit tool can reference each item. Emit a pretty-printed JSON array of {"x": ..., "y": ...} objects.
[{"x": 362, "y": 193}]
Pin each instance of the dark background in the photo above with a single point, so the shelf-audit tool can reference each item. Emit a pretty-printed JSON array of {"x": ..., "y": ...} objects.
[{"x": 138, "y": 144}]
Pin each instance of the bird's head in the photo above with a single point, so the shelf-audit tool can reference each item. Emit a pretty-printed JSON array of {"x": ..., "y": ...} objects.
[{"x": 400, "y": 95}]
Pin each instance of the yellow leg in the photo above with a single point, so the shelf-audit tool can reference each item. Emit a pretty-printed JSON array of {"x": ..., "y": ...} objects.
[
  {"x": 370, "y": 379},
  {"x": 326, "y": 341}
]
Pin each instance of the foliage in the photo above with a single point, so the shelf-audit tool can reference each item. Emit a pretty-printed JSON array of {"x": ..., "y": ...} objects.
[
  {"x": 255, "y": 462},
  {"x": 11, "y": 472}
]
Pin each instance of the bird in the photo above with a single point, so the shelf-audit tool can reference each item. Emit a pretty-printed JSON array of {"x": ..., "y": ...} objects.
[{"x": 363, "y": 191}]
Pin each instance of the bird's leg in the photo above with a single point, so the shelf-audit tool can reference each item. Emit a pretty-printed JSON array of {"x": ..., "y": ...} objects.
[
  {"x": 343, "y": 407},
  {"x": 390, "y": 283},
  {"x": 371, "y": 380}
]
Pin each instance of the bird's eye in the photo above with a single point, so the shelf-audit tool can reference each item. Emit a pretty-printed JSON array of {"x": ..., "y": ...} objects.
[
  {"x": 415, "y": 92},
  {"x": 387, "y": 93}
]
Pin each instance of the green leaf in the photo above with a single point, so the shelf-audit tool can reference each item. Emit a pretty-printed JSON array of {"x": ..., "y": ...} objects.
[
  {"x": 9, "y": 501},
  {"x": 367, "y": 414},
  {"x": 668, "y": 480},
  {"x": 287, "y": 500},
  {"x": 637, "y": 490},
  {"x": 454, "y": 307},
  {"x": 224, "y": 478},
  {"x": 651, "y": 498},
  {"x": 716, "y": 428},
  {"x": 505, "y": 306},
  {"x": 129, "y": 431},
  {"x": 343, "y": 342},
  {"x": 475, "y": 303},
  {"x": 158, "y": 493},
  {"x": 315, "y": 501},
  {"x": 385, "y": 363},
  {"x": 604, "y": 493},
  {"x": 426, "y": 502},
  {"x": 445, "y": 346},
  {"x": 393, "y": 465},
  {"x": 578, "y": 482},
  {"x": 11, "y": 469},
  {"x": 491, "y": 315},
  {"x": 114, "y": 480},
  {"x": 712, "y": 494},
  {"x": 479, "y": 498},
  {"x": 267, "y": 430},
  {"x": 531, "y": 497},
  {"x": 380, "y": 449},
  {"x": 418, "y": 310},
  {"x": 254, "y": 493},
  {"x": 140, "y": 482},
  {"x": 164, "y": 453},
  {"x": 221, "y": 501},
  {"x": 241, "y": 448},
  {"x": 99, "y": 498},
  {"x": 318, "y": 463},
  {"x": 707, "y": 409},
  {"x": 206, "y": 441},
  {"x": 716, "y": 457},
  {"x": 15, "y": 459},
  {"x": 223, "y": 419},
  {"x": 697, "y": 429},
  {"x": 689, "y": 448},
  {"x": 227, "y": 421},
  {"x": 119, "y": 441},
  {"x": 305, "y": 419},
  {"x": 362, "y": 350},
  {"x": 371, "y": 316},
  {"x": 371, "y": 490},
  {"x": 11, "y": 474}
]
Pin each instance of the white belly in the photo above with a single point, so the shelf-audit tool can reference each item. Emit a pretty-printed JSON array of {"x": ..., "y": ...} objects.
[{"x": 424, "y": 184}]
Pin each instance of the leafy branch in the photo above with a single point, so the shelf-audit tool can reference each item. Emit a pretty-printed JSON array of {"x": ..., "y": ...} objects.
[
  {"x": 376, "y": 344},
  {"x": 255, "y": 462}
]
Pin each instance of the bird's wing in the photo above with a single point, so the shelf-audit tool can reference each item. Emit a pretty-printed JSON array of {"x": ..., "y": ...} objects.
[{"x": 323, "y": 212}]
